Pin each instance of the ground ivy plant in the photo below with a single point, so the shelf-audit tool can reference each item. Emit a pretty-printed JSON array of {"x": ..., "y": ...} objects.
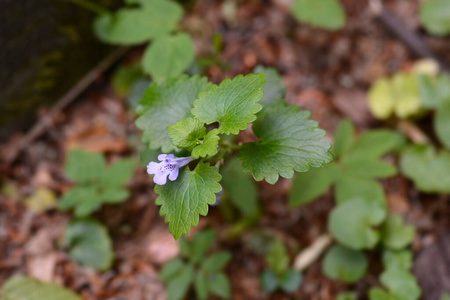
[{"x": 191, "y": 120}]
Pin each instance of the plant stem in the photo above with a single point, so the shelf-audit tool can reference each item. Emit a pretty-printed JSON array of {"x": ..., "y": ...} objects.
[{"x": 91, "y": 6}]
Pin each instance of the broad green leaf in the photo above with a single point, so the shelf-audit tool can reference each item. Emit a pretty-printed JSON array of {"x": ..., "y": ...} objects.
[
  {"x": 401, "y": 259},
  {"x": 273, "y": 88},
  {"x": 430, "y": 171},
  {"x": 218, "y": 285},
  {"x": 346, "y": 296},
  {"x": 405, "y": 94},
  {"x": 164, "y": 104},
  {"x": 216, "y": 261},
  {"x": 84, "y": 167},
  {"x": 168, "y": 56},
  {"x": 136, "y": 92},
  {"x": 232, "y": 103},
  {"x": 186, "y": 133},
  {"x": 170, "y": 269},
  {"x": 379, "y": 294},
  {"x": 381, "y": 104},
  {"x": 118, "y": 173},
  {"x": 89, "y": 243},
  {"x": 401, "y": 284},
  {"x": 375, "y": 143},
  {"x": 178, "y": 285},
  {"x": 200, "y": 244},
  {"x": 395, "y": 234},
  {"x": 350, "y": 188},
  {"x": 27, "y": 288},
  {"x": 183, "y": 200},
  {"x": 435, "y": 16},
  {"x": 147, "y": 155},
  {"x": 208, "y": 146},
  {"x": 239, "y": 187},
  {"x": 325, "y": 14},
  {"x": 369, "y": 168},
  {"x": 310, "y": 185},
  {"x": 277, "y": 259},
  {"x": 131, "y": 26},
  {"x": 344, "y": 264},
  {"x": 351, "y": 223},
  {"x": 124, "y": 77},
  {"x": 201, "y": 285},
  {"x": 433, "y": 90},
  {"x": 269, "y": 281},
  {"x": 343, "y": 137},
  {"x": 442, "y": 122},
  {"x": 287, "y": 141},
  {"x": 290, "y": 281},
  {"x": 85, "y": 199}
]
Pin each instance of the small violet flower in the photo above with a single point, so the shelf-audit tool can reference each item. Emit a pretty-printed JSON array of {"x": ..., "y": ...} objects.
[{"x": 168, "y": 166}]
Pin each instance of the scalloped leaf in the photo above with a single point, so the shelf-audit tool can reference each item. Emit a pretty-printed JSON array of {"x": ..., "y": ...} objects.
[
  {"x": 131, "y": 26},
  {"x": 27, "y": 288},
  {"x": 186, "y": 133},
  {"x": 208, "y": 146},
  {"x": 164, "y": 104},
  {"x": 183, "y": 200},
  {"x": 232, "y": 103},
  {"x": 287, "y": 141}
]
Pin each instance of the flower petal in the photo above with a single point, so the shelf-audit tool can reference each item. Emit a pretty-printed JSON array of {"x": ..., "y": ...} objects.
[
  {"x": 153, "y": 168},
  {"x": 160, "y": 178},
  {"x": 174, "y": 174},
  {"x": 182, "y": 161},
  {"x": 161, "y": 157}
]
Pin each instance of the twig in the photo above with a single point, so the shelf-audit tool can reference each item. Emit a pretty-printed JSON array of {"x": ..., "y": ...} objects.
[
  {"x": 413, "y": 132},
  {"x": 45, "y": 121},
  {"x": 305, "y": 258}
]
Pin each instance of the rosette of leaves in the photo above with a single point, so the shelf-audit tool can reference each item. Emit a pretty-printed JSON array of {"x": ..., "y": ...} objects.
[
  {"x": 191, "y": 115},
  {"x": 27, "y": 288},
  {"x": 96, "y": 184},
  {"x": 195, "y": 268},
  {"x": 155, "y": 21},
  {"x": 279, "y": 275}
]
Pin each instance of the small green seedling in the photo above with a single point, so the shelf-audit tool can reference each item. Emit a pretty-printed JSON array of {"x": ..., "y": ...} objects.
[{"x": 195, "y": 268}]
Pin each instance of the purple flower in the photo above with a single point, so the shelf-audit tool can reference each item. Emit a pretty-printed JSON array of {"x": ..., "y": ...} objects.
[
  {"x": 168, "y": 166},
  {"x": 218, "y": 198}
]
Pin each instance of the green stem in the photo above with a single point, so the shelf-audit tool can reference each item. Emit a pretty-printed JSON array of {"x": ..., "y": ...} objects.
[{"x": 91, "y": 6}]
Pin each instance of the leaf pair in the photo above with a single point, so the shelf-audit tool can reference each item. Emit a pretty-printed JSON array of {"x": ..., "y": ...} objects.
[
  {"x": 96, "y": 184},
  {"x": 203, "y": 273},
  {"x": 168, "y": 55}
]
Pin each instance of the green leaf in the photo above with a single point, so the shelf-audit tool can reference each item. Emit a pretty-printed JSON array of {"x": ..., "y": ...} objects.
[
  {"x": 429, "y": 170},
  {"x": 343, "y": 137},
  {"x": 184, "y": 199},
  {"x": 445, "y": 296},
  {"x": 325, "y": 14},
  {"x": 379, "y": 294},
  {"x": 344, "y": 264},
  {"x": 89, "y": 243},
  {"x": 186, "y": 133},
  {"x": 346, "y": 296},
  {"x": 290, "y": 281},
  {"x": 200, "y": 244},
  {"x": 442, "y": 122},
  {"x": 287, "y": 141},
  {"x": 27, "y": 288},
  {"x": 380, "y": 99},
  {"x": 170, "y": 269},
  {"x": 208, "y": 146},
  {"x": 84, "y": 167},
  {"x": 401, "y": 284},
  {"x": 310, "y": 185},
  {"x": 395, "y": 234},
  {"x": 168, "y": 56},
  {"x": 401, "y": 259},
  {"x": 435, "y": 16},
  {"x": 239, "y": 187},
  {"x": 375, "y": 143},
  {"x": 350, "y": 188},
  {"x": 124, "y": 78},
  {"x": 130, "y": 26},
  {"x": 351, "y": 223},
  {"x": 433, "y": 90},
  {"x": 269, "y": 281},
  {"x": 216, "y": 261},
  {"x": 369, "y": 168},
  {"x": 178, "y": 285},
  {"x": 147, "y": 155},
  {"x": 273, "y": 88},
  {"x": 164, "y": 104},
  {"x": 232, "y": 103},
  {"x": 85, "y": 199},
  {"x": 118, "y": 173},
  {"x": 219, "y": 285},
  {"x": 405, "y": 94},
  {"x": 201, "y": 285},
  {"x": 277, "y": 259}
]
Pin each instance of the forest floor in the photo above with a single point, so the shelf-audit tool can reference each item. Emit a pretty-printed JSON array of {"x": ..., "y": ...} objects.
[{"x": 327, "y": 73}]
